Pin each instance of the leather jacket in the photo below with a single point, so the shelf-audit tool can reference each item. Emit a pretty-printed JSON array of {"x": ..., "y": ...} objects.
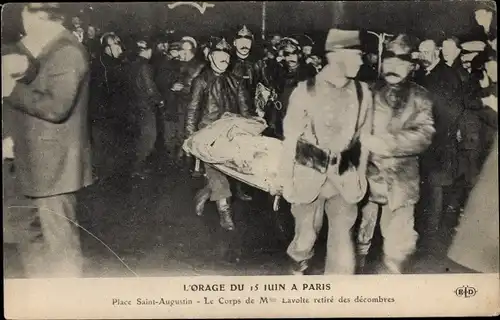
[
  {"x": 212, "y": 95},
  {"x": 144, "y": 95},
  {"x": 244, "y": 69}
]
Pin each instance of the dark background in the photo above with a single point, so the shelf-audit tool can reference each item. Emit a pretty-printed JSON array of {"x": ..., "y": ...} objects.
[{"x": 421, "y": 18}]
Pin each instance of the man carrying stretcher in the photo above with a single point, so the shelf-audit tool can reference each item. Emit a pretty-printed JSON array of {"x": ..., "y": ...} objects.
[
  {"x": 323, "y": 166},
  {"x": 215, "y": 92}
]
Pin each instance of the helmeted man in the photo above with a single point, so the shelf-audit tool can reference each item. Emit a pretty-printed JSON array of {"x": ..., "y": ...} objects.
[
  {"x": 189, "y": 69},
  {"x": 244, "y": 67},
  {"x": 111, "y": 131},
  {"x": 242, "y": 64},
  {"x": 310, "y": 57},
  {"x": 323, "y": 166},
  {"x": 145, "y": 99},
  {"x": 402, "y": 129},
  {"x": 214, "y": 92},
  {"x": 294, "y": 70}
]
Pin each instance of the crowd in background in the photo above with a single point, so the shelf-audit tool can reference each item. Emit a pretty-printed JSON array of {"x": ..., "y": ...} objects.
[{"x": 145, "y": 91}]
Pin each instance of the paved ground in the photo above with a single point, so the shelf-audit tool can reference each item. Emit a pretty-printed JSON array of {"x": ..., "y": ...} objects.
[{"x": 149, "y": 228}]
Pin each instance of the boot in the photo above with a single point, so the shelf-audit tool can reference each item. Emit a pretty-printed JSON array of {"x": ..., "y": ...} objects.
[
  {"x": 201, "y": 198},
  {"x": 390, "y": 266},
  {"x": 360, "y": 263},
  {"x": 298, "y": 268},
  {"x": 226, "y": 216},
  {"x": 240, "y": 193}
]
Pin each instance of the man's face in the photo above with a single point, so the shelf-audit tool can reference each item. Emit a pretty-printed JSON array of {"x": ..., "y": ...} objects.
[
  {"x": 114, "y": 48},
  {"x": 450, "y": 51},
  {"x": 307, "y": 50},
  {"x": 148, "y": 53},
  {"x": 162, "y": 48},
  {"x": 219, "y": 60},
  {"x": 483, "y": 17},
  {"x": 76, "y": 21},
  {"x": 91, "y": 32},
  {"x": 291, "y": 56},
  {"x": 31, "y": 21},
  {"x": 186, "y": 52},
  {"x": 353, "y": 61},
  {"x": 174, "y": 53},
  {"x": 395, "y": 69},
  {"x": 243, "y": 44},
  {"x": 275, "y": 40},
  {"x": 347, "y": 63},
  {"x": 428, "y": 53}
]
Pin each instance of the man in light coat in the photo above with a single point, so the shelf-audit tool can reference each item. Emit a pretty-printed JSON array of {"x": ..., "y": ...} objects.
[
  {"x": 51, "y": 142},
  {"x": 402, "y": 129},
  {"x": 323, "y": 165}
]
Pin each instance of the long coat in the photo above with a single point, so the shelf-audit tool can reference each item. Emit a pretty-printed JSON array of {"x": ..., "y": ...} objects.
[
  {"x": 317, "y": 107},
  {"x": 52, "y": 138},
  {"x": 440, "y": 161},
  {"x": 406, "y": 125}
]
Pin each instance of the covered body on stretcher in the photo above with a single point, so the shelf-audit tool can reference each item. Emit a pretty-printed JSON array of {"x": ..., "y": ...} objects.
[{"x": 234, "y": 145}]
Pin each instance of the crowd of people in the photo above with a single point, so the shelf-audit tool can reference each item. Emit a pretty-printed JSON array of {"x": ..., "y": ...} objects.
[{"x": 407, "y": 144}]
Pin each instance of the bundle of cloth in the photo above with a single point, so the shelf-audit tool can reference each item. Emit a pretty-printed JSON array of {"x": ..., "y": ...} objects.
[{"x": 236, "y": 142}]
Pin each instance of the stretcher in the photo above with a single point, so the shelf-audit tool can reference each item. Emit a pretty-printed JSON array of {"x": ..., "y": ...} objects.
[{"x": 249, "y": 179}]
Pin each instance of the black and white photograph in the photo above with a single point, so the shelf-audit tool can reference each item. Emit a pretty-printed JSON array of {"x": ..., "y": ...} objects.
[{"x": 250, "y": 138}]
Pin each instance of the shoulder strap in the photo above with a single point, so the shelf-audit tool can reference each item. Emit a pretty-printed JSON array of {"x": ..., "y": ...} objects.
[{"x": 359, "y": 94}]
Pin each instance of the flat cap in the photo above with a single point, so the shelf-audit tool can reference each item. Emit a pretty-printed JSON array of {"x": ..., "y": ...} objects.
[{"x": 342, "y": 39}]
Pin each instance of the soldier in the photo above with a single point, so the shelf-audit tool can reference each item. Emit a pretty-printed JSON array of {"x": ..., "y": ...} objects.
[
  {"x": 402, "y": 129},
  {"x": 243, "y": 65},
  {"x": 214, "y": 92},
  {"x": 323, "y": 165}
]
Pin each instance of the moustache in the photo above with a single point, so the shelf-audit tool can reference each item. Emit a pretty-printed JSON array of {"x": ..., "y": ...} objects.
[
  {"x": 389, "y": 74},
  {"x": 245, "y": 48}
]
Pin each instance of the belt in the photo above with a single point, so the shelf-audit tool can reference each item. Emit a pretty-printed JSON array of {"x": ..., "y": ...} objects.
[{"x": 334, "y": 159}]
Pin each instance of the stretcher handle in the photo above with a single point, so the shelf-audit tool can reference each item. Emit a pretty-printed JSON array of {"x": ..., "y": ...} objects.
[
  {"x": 197, "y": 165},
  {"x": 276, "y": 203}
]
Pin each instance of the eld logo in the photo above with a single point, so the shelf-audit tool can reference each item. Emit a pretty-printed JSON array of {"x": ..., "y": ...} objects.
[{"x": 465, "y": 292}]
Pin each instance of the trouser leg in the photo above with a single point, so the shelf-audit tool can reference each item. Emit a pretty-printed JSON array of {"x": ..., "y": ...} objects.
[
  {"x": 369, "y": 215},
  {"x": 400, "y": 237},
  {"x": 218, "y": 183},
  {"x": 308, "y": 221},
  {"x": 51, "y": 242},
  {"x": 340, "y": 255},
  {"x": 145, "y": 141},
  {"x": 432, "y": 218}
]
